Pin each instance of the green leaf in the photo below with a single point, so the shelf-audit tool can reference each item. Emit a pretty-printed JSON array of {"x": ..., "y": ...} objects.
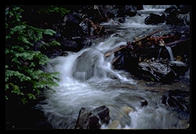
[
  {"x": 24, "y": 100},
  {"x": 31, "y": 96},
  {"x": 15, "y": 89},
  {"x": 18, "y": 28},
  {"x": 49, "y": 32},
  {"x": 11, "y": 73}
]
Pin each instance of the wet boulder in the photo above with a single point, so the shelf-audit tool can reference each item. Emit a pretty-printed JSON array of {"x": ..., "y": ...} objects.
[
  {"x": 126, "y": 60},
  {"x": 185, "y": 18},
  {"x": 144, "y": 102},
  {"x": 91, "y": 119},
  {"x": 179, "y": 67},
  {"x": 110, "y": 11},
  {"x": 127, "y": 10},
  {"x": 177, "y": 15},
  {"x": 85, "y": 27},
  {"x": 130, "y": 10},
  {"x": 139, "y": 7},
  {"x": 70, "y": 45},
  {"x": 86, "y": 64},
  {"x": 155, "y": 19},
  {"x": 178, "y": 101},
  {"x": 156, "y": 71},
  {"x": 184, "y": 9},
  {"x": 71, "y": 25},
  {"x": 171, "y": 10}
]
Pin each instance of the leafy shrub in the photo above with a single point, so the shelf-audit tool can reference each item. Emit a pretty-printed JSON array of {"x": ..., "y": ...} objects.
[
  {"x": 24, "y": 75},
  {"x": 54, "y": 10}
]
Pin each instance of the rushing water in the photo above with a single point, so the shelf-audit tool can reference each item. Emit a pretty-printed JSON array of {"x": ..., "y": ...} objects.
[
  {"x": 87, "y": 79},
  {"x": 170, "y": 53}
]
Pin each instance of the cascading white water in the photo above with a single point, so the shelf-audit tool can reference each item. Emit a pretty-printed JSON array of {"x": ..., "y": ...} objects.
[
  {"x": 87, "y": 79},
  {"x": 170, "y": 53},
  {"x": 156, "y": 7}
]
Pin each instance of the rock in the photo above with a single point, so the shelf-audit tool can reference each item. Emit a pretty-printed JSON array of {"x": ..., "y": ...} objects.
[
  {"x": 178, "y": 101},
  {"x": 114, "y": 124},
  {"x": 171, "y": 10},
  {"x": 72, "y": 27},
  {"x": 156, "y": 70},
  {"x": 185, "y": 18},
  {"x": 130, "y": 10},
  {"x": 86, "y": 64},
  {"x": 121, "y": 19},
  {"x": 139, "y": 7},
  {"x": 155, "y": 19},
  {"x": 144, "y": 103},
  {"x": 85, "y": 27},
  {"x": 126, "y": 110},
  {"x": 127, "y": 61},
  {"x": 184, "y": 9},
  {"x": 179, "y": 67},
  {"x": 178, "y": 15},
  {"x": 91, "y": 119},
  {"x": 70, "y": 45},
  {"x": 103, "y": 114},
  {"x": 127, "y": 10},
  {"x": 110, "y": 11}
]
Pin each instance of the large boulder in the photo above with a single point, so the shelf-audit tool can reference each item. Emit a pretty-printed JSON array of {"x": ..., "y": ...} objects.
[
  {"x": 177, "y": 15},
  {"x": 127, "y": 10},
  {"x": 71, "y": 25},
  {"x": 178, "y": 101},
  {"x": 70, "y": 45},
  {"x": 110, "y": 11},
  {"x": 156, "y": 71},
  {"x": 184, "y": 9},
  {"x": 92, "y": 119},
  {"x": 86, "y": 64},
  {"x": 155, "y": 19},
  {"x": 127, "y": 60}
]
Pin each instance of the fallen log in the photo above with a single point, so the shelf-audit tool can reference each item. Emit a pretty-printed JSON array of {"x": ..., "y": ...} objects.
[
  {"x": 97, "y": 28},
  {"x": 114, "y": 50},
  {"x": 115, "y": 59},
  {"x": 172, "y": 44},
  {"x": 121, "y": 47},
  {"x": 97, "y": 8},
  {"x": 142, "y": 38}
]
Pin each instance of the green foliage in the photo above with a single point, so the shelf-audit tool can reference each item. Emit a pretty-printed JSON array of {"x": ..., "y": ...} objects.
[
  {"x": 54, "y": 10},
  {"x": 24, "y": 78}
]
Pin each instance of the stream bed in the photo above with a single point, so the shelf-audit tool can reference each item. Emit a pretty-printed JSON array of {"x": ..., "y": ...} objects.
[{"x": 87, "y": 79}]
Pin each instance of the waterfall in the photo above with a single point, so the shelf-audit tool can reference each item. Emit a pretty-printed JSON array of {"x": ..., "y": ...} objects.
[
  {"x": 170, "y": 53},
  {"x": 156, "y": 7}
]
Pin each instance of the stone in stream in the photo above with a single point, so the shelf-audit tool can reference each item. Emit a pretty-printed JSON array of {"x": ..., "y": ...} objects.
[
  {"x": 178, "y": 15},
  {"x": 91, "y": 119},
  {"x": 154, "y": 19},
  {"x": 114, "y": 124},
  {"x": 126, "y": 110},
  {"x": 156, "y": 70},
  {"x": 178, "y": 101},
  {"x": 144, "y": 103},
  {"x": 86, "y": 64}
]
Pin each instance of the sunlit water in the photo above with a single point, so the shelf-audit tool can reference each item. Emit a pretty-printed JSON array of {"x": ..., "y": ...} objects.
[{"x": 87, "y": 79}]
